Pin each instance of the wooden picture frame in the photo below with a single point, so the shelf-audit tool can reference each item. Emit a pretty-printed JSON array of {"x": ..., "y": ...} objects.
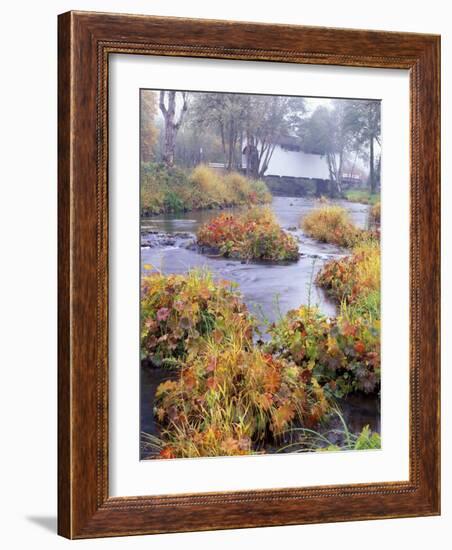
[{"x": 85, "y": 42}]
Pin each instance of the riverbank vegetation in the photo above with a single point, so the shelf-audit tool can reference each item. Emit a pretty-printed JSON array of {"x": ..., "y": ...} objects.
[
  {"x": 332, "y": 224},
  {"x": 361, "y": 195},
  {"x": 341, "y": 353},
  {"x": 179, "y": 310},
  {"x": 375, "y": 215},
  {"x": 252, "y": 235},
  {"x": 166, "y": 189},
  {"x": 233, "y": 399},
  {"x": 354, "y": 281},
  {"x": 231, "y": 395}
]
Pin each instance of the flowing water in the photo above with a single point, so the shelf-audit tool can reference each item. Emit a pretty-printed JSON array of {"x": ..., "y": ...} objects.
[{"x": 269, "y": 290}]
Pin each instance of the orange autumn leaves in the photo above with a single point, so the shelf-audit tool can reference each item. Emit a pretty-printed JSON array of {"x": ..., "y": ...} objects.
[
  {"x": 228, "y": 400},
  {"x": 252, "y": 235},
  {"x": 342, "y": 354}
]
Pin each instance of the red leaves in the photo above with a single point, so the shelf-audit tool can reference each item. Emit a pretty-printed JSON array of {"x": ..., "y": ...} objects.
[
  {"x": 360, "y": 347},
  {"x": 167, "y": 452},
  {"x": 255, "y": 234}
]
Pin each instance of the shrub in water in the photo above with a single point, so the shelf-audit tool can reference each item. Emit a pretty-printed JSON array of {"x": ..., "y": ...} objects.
[
  {"x": 331, "y": 224},
  {"x": 253, "y": 235},
  {"x": 177, "y": 311}
]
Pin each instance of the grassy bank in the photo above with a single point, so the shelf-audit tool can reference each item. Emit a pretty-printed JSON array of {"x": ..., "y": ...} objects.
[
  {"x": 252, "y": 235},
  {"x": 165, "y": 190},
  {"x": 362, "y": 196}
]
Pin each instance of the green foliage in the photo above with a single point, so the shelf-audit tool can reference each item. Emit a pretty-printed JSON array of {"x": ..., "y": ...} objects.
[
  {"x": 362, "y": 196},
  {"x": 332, "y": 224},
  {"x": 344, "y": 439},
  {"x": 253, "y": 235},
  {"x": 367, "y": 440},
  {"x": 172, "y": 189},
  {"x": 178, "y": 310},
  {"x": 342, "y": 353},
  {"x": 355, "y": 279}
]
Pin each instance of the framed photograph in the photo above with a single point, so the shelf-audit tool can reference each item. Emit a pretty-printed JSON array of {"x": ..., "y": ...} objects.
[{"x": 248, "y": 275}]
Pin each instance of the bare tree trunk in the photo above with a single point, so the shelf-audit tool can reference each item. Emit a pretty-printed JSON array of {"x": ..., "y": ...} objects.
[
  {"x": 371, "y": 166},
  {"x": 171, "y": 125}
]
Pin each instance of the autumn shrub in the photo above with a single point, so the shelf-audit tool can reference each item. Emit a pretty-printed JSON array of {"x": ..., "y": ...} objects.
[
  {"x": 177, "y": 311},
  {"x": 375, "y": 214},
  {"x": 252, "y": 235},
  {"x": 173, "y": 189},
  {"x": 355, "y": 279},
  {"x": 342, "y": 354},
  {"x": 232, "y": 399},
  {"x": 332, "y": 224}
]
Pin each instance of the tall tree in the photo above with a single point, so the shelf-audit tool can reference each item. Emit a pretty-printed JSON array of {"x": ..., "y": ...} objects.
[
  {"x": 364, "y": 118},
  {"x": 327, "y": 132},
  {"x": 225, "y": 113},
  {"x": 148, "y": 129},
  {"x": 173, "y": 121},
  {"x": 268, "y": 119}
]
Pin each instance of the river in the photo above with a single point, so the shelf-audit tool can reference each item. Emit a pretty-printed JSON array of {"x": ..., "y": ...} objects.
[{"x": 268, "y": 290}]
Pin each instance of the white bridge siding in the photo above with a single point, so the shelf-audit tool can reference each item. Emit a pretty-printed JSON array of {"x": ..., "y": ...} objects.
[{"x": 295, "y": 164}]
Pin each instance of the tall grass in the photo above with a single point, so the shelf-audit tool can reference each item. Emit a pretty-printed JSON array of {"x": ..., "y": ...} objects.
[
  {"x": 231, "y": 398},
  {"x": 174, "y": 189},
  {"x": 332, "y": 224},
  {"x": 362, "y": 196}
]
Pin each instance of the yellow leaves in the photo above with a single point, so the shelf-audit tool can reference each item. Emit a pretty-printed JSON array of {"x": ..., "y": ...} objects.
[
  {"x": 332, "y": 345},
  {"x": 282, "y": 416},
  {"x": 272, "y": 381},
  {"x": 264, "y": 400},
  {"x": 165, "y": 387},
  {"x": 148, "y": 267},
  {"x": 160, "y": 414}
]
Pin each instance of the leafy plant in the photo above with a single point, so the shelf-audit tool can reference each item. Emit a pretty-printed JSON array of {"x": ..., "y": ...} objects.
[
  {"x": 177, "y": 311},
  {"x": 342, "y": 354},
  {"x": 232, "y": 398},
  {"x": 375, "y": 214},
  {"x": 355, "y": 279},
  {"x": 252, "y": 235}
]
